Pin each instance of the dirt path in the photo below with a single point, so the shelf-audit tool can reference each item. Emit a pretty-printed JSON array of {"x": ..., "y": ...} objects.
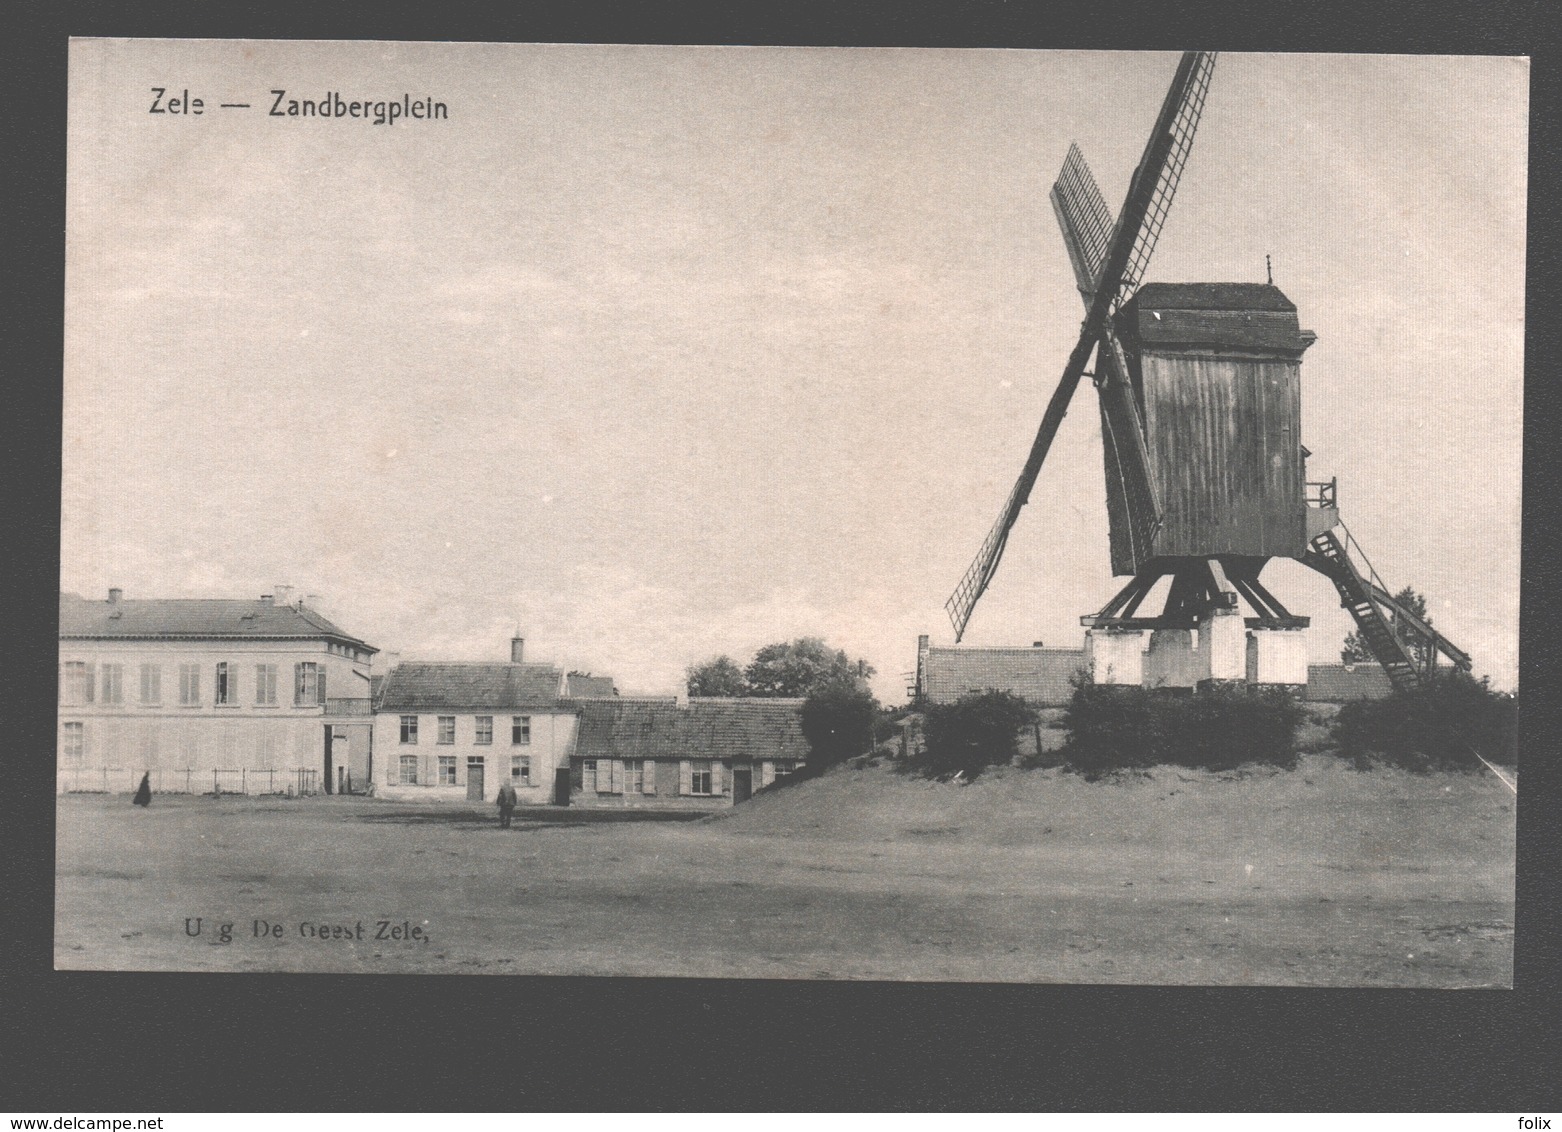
[{"x": 1320, "y": 876}]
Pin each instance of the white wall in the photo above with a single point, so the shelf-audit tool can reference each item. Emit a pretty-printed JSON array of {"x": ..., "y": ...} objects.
[{"x": 552, "y": 739}]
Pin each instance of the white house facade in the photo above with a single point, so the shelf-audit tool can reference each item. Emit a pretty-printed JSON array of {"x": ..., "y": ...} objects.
[{"x": 453, "y": 732}]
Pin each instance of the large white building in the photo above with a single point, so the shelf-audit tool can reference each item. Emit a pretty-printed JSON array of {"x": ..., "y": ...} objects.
[{"x": 258, "y": 696}]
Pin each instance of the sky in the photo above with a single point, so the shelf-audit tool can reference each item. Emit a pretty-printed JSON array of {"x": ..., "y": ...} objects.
[{"x": 658, "y": 353}]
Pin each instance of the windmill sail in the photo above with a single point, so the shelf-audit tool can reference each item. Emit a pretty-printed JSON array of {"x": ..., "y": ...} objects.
[{"x": 1121, "y": 260}]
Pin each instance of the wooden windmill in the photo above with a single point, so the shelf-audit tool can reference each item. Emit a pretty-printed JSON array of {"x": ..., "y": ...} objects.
[{"x": 1200, "y": 403}]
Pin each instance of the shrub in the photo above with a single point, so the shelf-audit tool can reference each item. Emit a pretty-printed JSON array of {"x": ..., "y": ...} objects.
[
  {"x": 1113, "y": 727},
  {"x": 838, "y": 722},
  {"x": 977, "y": 731},
  {"x": 1431, "y": 728}
]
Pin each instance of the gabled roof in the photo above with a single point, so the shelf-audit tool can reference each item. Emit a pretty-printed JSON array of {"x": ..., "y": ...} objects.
[
  {"x": 1040, "y": 676},
  {"x": 420, "y": 686},
  {"x": 709, "y": 728},
  {"x": 581, "y": 686},
  {"x": 1337, "y": 683},
  {"x": 193, "y": 618}
]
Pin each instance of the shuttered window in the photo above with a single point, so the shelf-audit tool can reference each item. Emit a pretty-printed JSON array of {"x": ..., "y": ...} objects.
[
  {"x": 113, "y": 683},
  {"x": 588, "y": 770},
  {"x": 702, "y": 776},
  {"x": 409, "y": 770},
  {"x": 223, "y": 685},
  {"x": 151, "y": 683},
  {"x": 265, "y": 684},
  {"x": 650, "y": 776},
  {"x": 685, "y": 776},
  {"x": 190, "y": 685},
  {"x": 76, "y": 684}
]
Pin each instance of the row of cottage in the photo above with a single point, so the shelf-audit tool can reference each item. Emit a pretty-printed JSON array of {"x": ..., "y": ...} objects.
[{"x": 269, "y": 696}]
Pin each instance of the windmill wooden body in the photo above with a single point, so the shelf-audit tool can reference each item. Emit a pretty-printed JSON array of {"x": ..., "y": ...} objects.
[{"x": 1200, "y": 403}]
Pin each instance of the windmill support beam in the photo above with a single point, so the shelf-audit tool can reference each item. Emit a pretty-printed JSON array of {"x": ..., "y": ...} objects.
[{"x": 1198, "y": 586}]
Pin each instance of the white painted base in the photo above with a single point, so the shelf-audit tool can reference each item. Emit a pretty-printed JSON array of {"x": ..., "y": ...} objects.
[
  {"x": 1170, "y": 662},
  {"x": 1115, "y": 656},
  {"x": 1222, "y": 650},
  {"x": 1277, "y": 656}
]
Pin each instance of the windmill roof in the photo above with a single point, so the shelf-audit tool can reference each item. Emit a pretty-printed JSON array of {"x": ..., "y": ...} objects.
[
  {"x": 186, "y": 618},
  {"x": 1040, "y": 676},
  {"x": 708, "y": 728},
  {"x": 419, "y": 686},
  {"x": 1214, "y": 297},
  {"x": 1339, "y": 683}
]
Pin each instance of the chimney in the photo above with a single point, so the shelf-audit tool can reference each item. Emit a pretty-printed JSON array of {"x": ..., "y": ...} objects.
[
  {"x": 115, "y": 594},
  {"x": 517, "y": 649},
  {"x": 681, "y": 698},
  {"x": 267, "y": 599},
  {"x": 284, "y": 595}
]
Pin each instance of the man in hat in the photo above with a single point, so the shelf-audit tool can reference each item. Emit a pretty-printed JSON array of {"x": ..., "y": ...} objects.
[{"x": 507, "y": 801}]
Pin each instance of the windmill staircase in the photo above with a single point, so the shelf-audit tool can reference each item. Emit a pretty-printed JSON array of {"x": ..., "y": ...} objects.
[{"x": 1384, "y": 622}]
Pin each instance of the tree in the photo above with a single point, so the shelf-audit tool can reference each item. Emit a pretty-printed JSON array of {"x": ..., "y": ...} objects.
[
  {"x": 838, "y": 723},
  {"x": 979, "y": 730},
  {"x": 1356, "y": 651},
  {"x": 803, "y": 666},
  {"x": 719, "y": 676}
]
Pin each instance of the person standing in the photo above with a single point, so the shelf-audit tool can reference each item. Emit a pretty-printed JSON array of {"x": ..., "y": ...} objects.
[
  {"x": 144, "y": 791},
  {"x": 507, "y": 801}
]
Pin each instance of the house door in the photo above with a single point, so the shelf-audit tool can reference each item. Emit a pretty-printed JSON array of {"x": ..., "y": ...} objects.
[
  {"x": 742, "y": 784},
  {"x": 561, "y": 786},
  {"x": 341, "y": 760},
  {"x": 474, "y": 778},
  {"x": 330, "y": 775}
]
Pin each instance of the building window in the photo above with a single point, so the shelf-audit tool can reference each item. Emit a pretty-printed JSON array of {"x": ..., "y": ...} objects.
[
  {"x": 521, "y": 730},
  {"x": 113, "y": 683},
  {"x": 190, "y": 685},
  {"x": 73, "y": 744},
  {"x": 784, "y": 769},
  {"x": 308, "y": 684},
  {"x": 484, "y": 735},
  {"x": 265, "y": 684},
  {"x": 225, "y": 692},
  {"x": 151, "y": 683},
  {"x": 447, "y": 730},
  {"x": 76, "y": 687},
  {"x": 447, "y": 770},
  {"x": 409, "y": 729},
  {"x": 521, "y": 770},
  {"x": 634, "y": 776},
  {"x": 588, "y": 769},
  {"x": 409, "y": 770},
  {"x": 700, "y": 779}
]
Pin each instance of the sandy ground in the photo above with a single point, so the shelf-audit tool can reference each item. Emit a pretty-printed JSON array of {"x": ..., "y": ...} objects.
[{"x": 1321, "y": 876}]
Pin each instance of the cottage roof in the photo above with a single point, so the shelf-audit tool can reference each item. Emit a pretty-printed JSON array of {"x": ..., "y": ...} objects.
[
  {"x": 708, "y": 728},
  {"x": 1340, "y": 683},
  {"x": 421, "y": 686},
  {"x": 188, "y": 618},
  {"x": 1040, "y": 676}
]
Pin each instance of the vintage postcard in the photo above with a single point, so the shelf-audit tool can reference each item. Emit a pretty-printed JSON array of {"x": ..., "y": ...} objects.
[{"x": 780, "y": 513}]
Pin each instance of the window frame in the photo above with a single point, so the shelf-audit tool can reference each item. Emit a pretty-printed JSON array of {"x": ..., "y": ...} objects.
[
  {"x": 409, "y": 730},
  {"x": 407, "y": 771},
  {"x": 445, "y": 771},
  {"x": 445, "y": 731},
  {"x": 483, "y": 731},
  {"x": 522, "y": 764},
  {"x": 73, "y": 742},
  {"x": 224, "y": 686},
  {"x": 520, "y": 731},
  {"x": 695, "y": 774}
]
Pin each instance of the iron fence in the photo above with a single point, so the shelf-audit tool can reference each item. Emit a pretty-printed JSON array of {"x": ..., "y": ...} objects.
[{"x": 292, "y": 781}]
